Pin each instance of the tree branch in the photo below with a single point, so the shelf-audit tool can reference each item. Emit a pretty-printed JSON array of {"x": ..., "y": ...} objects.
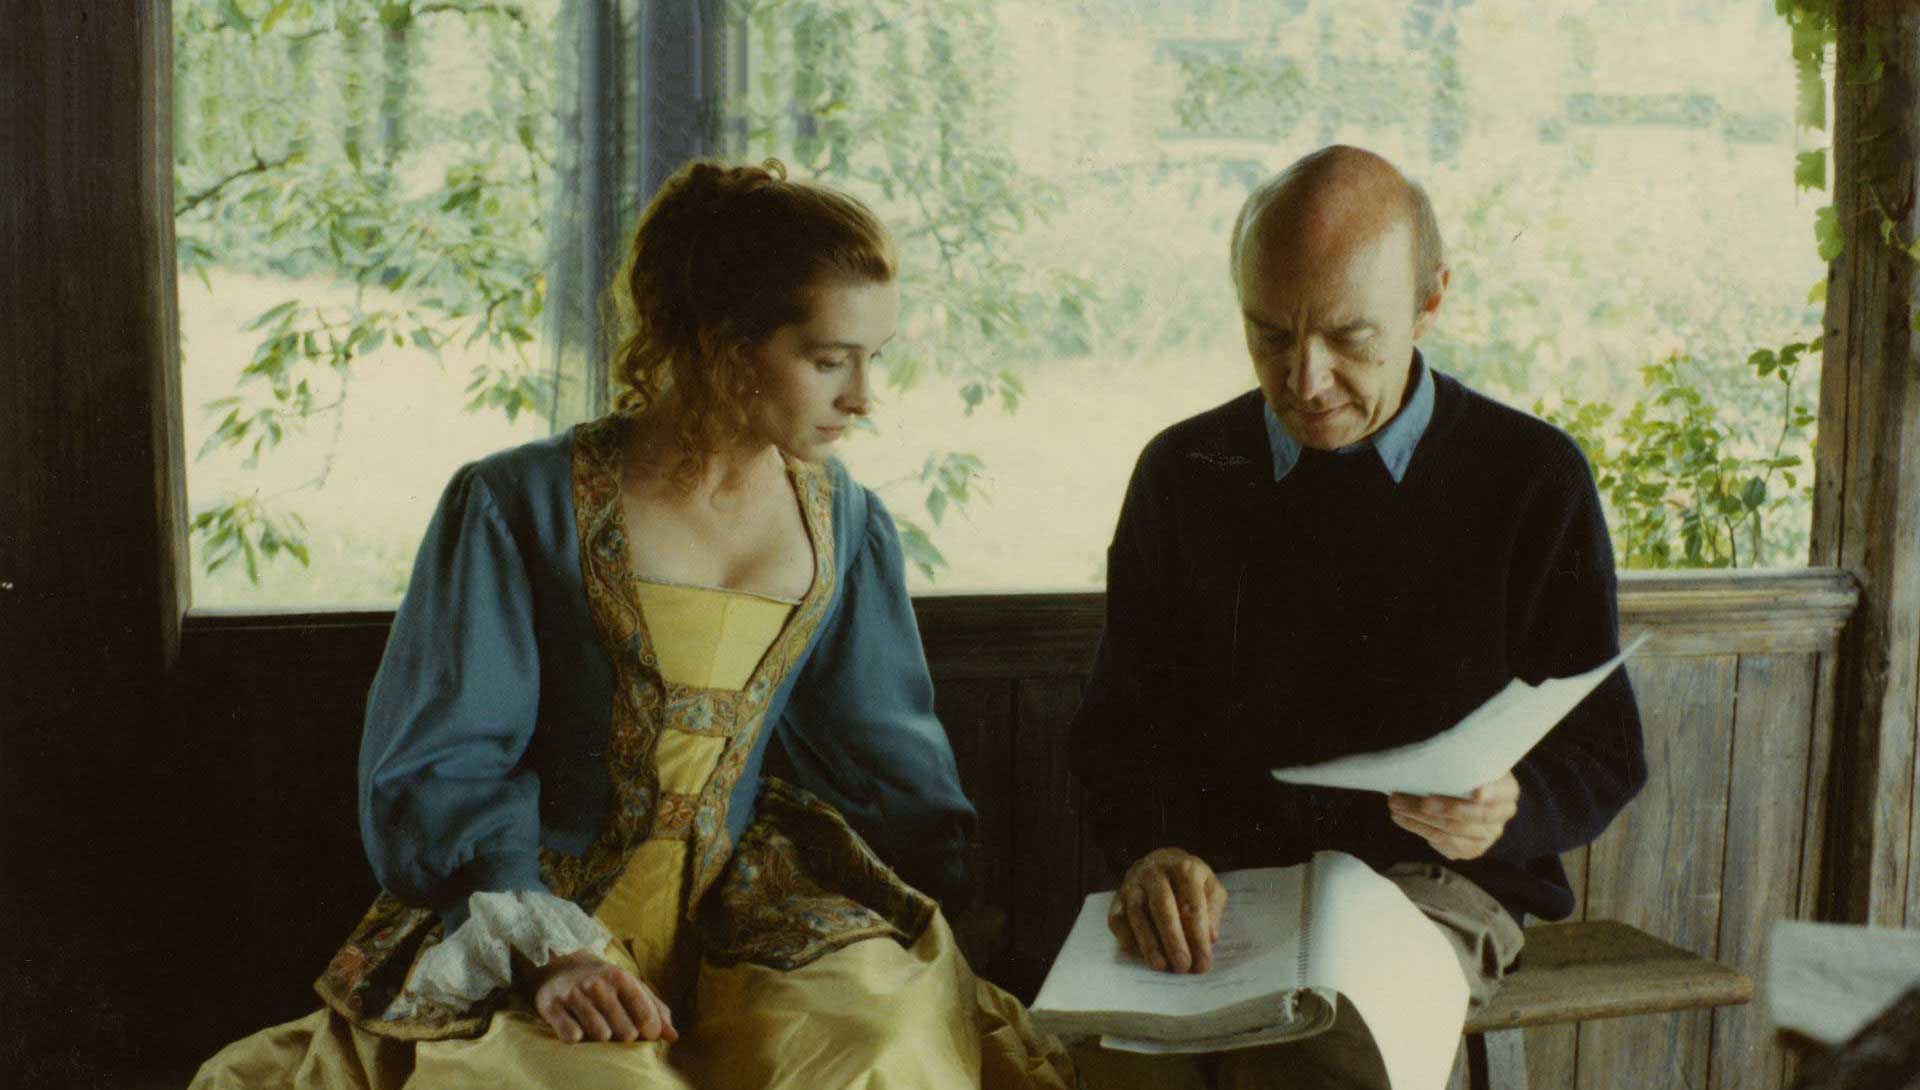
[{"x": 260, "y": 166}]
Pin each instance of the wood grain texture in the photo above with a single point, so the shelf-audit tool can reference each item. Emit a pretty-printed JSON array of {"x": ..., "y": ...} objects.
[
  {"x": 1553, "y": 1051},
  {"x": 1867, "y": 474},
  {"x": 1658, "y": 868},
  {"x": 1606, "y": 969},
  {"x": 1815, "y": 893},
  {"x": 1773, "y": 712},
  {"x": 1047, "y": 814},
  {"x": 978, "y": 716},
  {"x": 91, "y": 512}
]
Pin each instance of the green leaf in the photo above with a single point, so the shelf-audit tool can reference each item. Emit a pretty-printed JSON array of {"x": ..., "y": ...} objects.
[
  {"x": 1753, "y": 494},
  {"x": 936, "y": 505},
  {"x": 237, "y": 19},
  {"x": 1817, "y": 293},
  {"x": 274, "y": 314},
  {"x": 274, "y": 15},
  {"x": 1826, "y": 232},
  {"x": 1810, "y": 169},
  {"x": 1811, "y": 108}
]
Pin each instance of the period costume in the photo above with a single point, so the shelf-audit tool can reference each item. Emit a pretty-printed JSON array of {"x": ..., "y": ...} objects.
[
  {"x": 1271, "y": 606},
  {"x": 746, "y": 801}
]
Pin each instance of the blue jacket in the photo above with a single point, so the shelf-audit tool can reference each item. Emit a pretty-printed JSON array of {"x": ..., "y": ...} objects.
[{"x": 487, "y": 727}]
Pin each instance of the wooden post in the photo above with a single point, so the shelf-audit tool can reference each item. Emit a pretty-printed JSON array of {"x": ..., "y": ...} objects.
[
  {"x": 92, "y": 584},
  {"x": 1867, "y": 486}
]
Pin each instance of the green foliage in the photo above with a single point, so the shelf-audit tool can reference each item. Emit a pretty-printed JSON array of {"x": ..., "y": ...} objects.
[
  {"x": 248, "y": 530},
  {"x": 1686, "y": 485},
  {"x": 830, "y": 95},
  {"x": 442, "y": 240}
]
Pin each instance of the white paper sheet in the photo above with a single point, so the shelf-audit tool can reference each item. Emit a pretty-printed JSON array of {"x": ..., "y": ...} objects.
[
  {"x": 1367, "y": 945},
  {"x": 1382, "y": 954},
  {"x": 1256, "y": 954},
  {"x": 1828, "y": 980},
  {"x": 1479, "y": 749}
]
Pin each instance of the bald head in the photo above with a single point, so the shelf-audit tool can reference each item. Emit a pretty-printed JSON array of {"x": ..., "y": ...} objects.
[{"x": 1332, "y": 200}]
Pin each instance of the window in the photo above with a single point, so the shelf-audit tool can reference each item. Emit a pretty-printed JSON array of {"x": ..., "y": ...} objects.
[
  {"x": 1615, "y": 183},
  {"x": 364, "y": 198},
  {"x": 387, "y": 247}
]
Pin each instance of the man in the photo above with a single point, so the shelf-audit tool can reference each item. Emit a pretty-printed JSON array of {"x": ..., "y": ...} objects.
[{"x": 1349, "y": 558}]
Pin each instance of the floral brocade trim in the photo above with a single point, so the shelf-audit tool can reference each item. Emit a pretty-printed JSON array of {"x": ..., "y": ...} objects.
[
  {"x": 366, "y": 980},
  {"x": 673, "y": 818},
  {"x": 645, "y": 702},
  {"x": 801, "y": 885}
]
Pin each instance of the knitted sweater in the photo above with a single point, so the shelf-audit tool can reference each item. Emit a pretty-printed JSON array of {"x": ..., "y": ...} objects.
[{"x": 1255, "y": 624}]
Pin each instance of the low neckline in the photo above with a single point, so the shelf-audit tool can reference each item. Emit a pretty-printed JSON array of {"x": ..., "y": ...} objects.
[{"x": 815, "y": 535}]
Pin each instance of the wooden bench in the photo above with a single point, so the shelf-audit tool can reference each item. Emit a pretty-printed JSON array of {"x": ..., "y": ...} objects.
[{"x": 1573, "y": 972}]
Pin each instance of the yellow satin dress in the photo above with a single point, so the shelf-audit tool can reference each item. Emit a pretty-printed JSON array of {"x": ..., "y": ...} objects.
[{"x": 873, "y": 1015}]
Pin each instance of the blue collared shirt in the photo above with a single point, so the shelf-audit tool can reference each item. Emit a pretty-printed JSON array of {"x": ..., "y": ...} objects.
[{"x": 1394, "y": 443}]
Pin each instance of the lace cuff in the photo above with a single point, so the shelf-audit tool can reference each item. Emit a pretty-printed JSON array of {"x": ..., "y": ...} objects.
[{"x": 478, "y": 957}]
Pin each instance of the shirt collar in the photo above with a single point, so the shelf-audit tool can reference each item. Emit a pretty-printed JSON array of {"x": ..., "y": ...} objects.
[{"x": 1394, "y": 443}]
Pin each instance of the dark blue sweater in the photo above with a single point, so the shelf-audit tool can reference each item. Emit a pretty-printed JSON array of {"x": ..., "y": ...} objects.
[{"x": 1255, "y": 624}]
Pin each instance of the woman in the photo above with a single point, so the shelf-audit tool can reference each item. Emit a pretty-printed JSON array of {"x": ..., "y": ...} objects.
[{"x": 613, "y": 642}]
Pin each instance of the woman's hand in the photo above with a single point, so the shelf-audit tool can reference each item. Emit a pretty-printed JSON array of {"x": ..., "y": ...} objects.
[
  {"x": 584, "y": 997},
  {"x": 1168, "y": 910}
]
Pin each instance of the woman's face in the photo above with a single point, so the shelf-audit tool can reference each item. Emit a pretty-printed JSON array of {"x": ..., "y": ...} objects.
[{"x": 813, "y": 373}]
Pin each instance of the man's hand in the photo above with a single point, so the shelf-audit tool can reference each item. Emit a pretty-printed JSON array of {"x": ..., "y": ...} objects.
[
  {"x": 1459, "y": 828},
  {"x": 1168, "y": 910},
  {"x": 584, "y": 997}
]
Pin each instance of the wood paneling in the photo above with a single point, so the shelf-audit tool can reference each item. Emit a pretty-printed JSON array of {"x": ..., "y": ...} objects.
[
  {"x": 978, "y": 716},
  {"x": 91, "y": 514},
  {"x": 1760, "y": 881},
  {"x": 1725, "y": 837},
  {"x": 1047, "y": 817},
  {"x": 1867, "y": 465},
  {"x": 1659, "y": 866}
]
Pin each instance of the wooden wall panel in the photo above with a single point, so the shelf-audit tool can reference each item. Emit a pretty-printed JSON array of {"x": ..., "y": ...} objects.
[
  {"x": 1773, "y": 708},
  {"x": 1659, "y": 866},
  {"x": 978, "y": 716},
  {"x": 262, "y": 753},
  {"x": 1047, "y": 813},
  {"x": 1553, "y": 1051}
]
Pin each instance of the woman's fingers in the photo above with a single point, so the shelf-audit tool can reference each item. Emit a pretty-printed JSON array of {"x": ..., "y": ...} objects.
[
  {"x": 603, "y": 992},
  {"x": 555, "y": 1013},
  {"x": 649, "y": 1012},
  {"x": 593, "y": 1024}
]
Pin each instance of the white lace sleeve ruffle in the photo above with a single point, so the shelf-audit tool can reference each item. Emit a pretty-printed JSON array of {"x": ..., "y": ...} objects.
[{"x": 478, "y": 957}]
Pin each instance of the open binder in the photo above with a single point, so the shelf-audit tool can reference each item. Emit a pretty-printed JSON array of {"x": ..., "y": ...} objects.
[{"x": 1294, "y": 944}]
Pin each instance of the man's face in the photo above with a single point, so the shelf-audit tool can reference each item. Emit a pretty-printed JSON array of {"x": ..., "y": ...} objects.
[{"x": 1330, "y": 324}]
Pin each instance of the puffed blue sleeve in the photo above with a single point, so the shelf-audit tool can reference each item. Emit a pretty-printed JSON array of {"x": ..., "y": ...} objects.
[
  {"x": 447, "y": 806},
  {"x": 859, "y": 729}
]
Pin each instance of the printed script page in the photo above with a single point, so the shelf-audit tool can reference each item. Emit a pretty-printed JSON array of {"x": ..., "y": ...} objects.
[
  {"x": 1257, "y": 955},
  {"x": 1479, "y": 749}
]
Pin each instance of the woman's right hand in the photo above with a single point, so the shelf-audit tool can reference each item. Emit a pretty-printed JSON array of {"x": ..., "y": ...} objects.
[{"x": 584, "y": 997}]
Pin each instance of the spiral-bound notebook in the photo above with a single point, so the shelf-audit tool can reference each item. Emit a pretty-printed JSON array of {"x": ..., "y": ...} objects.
[{"x": 1295, "y": 942}]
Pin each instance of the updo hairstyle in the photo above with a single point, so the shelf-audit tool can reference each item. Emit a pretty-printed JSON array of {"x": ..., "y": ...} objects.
[{"x": 722, "y": 257}]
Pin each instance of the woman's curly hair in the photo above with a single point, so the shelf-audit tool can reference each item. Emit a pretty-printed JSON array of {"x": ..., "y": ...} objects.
[{"x": 722, "y": 257}]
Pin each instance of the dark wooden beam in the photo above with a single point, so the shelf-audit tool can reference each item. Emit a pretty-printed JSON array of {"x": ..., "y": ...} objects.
[
  {"x": 1867, "y": 481},
  {"x": 92, "y": 586}
]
